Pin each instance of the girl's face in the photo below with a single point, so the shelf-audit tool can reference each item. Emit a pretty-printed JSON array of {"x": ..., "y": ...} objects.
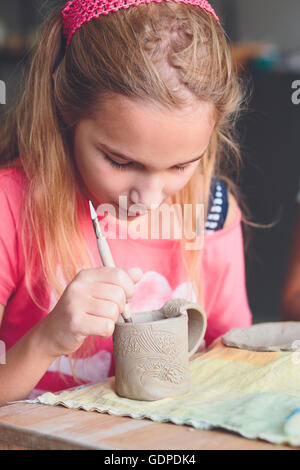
[{"x": 139, "y": 150}]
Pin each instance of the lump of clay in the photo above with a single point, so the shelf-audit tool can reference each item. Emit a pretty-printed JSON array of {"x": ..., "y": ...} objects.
[{"x": 278, "y": 336}]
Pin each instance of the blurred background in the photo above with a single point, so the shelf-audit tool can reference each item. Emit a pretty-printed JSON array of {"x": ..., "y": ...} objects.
[{"x": 265, "y": 38}]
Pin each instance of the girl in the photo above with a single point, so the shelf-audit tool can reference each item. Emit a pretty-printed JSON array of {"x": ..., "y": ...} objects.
[{"x": 135, "y": 103}]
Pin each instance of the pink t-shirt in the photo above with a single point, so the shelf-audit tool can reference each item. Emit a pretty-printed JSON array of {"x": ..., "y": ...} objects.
[{"x": 225, "y": 296}]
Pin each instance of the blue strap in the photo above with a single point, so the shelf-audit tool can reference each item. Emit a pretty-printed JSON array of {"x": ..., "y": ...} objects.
[{"x": 218, "y": 206}]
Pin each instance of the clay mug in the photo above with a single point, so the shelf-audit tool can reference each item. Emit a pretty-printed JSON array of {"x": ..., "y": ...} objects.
[{"x": 152, "y": 353}]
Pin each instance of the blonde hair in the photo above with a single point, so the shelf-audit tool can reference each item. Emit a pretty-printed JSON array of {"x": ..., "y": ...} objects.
[{"x": 117, "y": 53}]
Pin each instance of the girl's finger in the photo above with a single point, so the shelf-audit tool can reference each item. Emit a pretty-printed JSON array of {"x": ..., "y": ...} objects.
[
  {"x": 98, "y": 326},
  {"x": 108, "y": 292},
  {"x": 102, "y": 308},
  {"x": 115, "y": 276}
]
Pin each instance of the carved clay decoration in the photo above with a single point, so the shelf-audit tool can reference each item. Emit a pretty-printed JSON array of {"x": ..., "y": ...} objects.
[{"x": 152, "y": 353}]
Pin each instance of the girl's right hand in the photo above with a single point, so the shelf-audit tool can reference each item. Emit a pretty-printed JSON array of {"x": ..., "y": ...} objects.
[{"x": 90, "y": 305}]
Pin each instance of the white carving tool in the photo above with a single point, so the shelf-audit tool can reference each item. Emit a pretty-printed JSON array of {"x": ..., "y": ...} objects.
[{"x": 106, "y": 255}]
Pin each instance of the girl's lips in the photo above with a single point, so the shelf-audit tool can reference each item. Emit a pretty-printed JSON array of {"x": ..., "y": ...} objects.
[
  {"x": 128, "y": 213},
  {"x": 135, "y": 213},
  {"x": 131, "y": 215}
]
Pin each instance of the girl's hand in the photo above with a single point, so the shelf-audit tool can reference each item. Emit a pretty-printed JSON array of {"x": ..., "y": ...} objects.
[{"x": 90, "y": 305}]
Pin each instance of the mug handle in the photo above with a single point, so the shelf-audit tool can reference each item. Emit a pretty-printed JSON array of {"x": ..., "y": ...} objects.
[{"x": 197, "y": 321}]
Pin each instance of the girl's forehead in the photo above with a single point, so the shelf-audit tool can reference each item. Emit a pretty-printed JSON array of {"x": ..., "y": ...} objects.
[
  {"x": 141, "y": 131},
  {"x": 119, "y": 111},
  {"x": 141, "y": 127}
]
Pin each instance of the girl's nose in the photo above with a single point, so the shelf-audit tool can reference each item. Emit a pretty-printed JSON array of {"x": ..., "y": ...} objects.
[{"x": 149, "y": 196}]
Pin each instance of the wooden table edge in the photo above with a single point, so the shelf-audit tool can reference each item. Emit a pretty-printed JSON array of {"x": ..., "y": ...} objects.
[{"x": 15, "y": 435}]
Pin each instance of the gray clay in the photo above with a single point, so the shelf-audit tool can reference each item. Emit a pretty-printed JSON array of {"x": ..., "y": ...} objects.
[
  {"x": 277, "y": 336},
  {"x": 152, "y": 353}
]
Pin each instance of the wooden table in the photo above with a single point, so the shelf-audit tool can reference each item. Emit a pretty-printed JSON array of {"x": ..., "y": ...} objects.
[{"x": 35, "y": 426}]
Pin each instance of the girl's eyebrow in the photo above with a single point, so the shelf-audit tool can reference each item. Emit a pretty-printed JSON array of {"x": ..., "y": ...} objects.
[{"x": 124, "y": 157}]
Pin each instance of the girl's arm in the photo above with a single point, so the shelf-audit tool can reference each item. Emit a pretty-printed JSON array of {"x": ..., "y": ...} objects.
[
  {"x": 290, "y": 299},
  {"x": 26, "y": 363},
  {"x": 90, "y": 305}
]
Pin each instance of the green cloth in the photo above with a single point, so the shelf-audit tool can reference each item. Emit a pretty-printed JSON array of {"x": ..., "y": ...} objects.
[{"x": 254, "y": 394}]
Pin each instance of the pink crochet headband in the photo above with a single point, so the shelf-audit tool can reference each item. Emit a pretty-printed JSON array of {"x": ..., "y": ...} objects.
[{"x": 77, "y": 12}]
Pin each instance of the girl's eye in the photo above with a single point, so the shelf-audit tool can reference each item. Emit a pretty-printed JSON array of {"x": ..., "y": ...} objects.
[
  {"x": 116, "y": 164},
  {"x": 180, "y": 168},
  {"x": 124, "y": 166}
]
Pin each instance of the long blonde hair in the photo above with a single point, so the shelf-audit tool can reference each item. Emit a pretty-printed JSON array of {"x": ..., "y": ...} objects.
[{"x": 117, "y": 53}]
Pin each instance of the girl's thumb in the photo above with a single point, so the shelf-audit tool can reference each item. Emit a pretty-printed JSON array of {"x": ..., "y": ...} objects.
[{"x": 135, "y": 274}]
